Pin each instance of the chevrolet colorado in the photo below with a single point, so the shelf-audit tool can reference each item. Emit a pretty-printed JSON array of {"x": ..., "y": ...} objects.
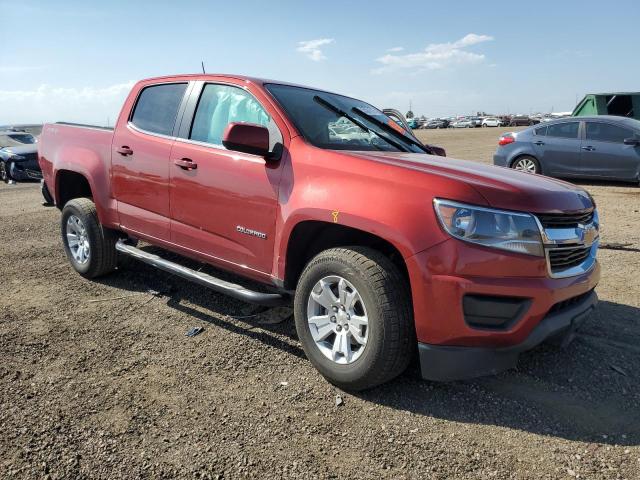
[{"x": 382, "y": 248}]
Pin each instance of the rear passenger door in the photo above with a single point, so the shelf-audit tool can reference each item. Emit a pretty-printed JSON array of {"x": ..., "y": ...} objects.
[
  {"x": 604, "y": 153},
  {"x": 559, "y": 149},
  {"x": 140, "y": 159}
]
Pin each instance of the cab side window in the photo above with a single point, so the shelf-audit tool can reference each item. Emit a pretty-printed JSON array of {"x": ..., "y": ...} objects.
[
  {"x": 220, "y": 105},
  {"x": 157, "y": 107}
]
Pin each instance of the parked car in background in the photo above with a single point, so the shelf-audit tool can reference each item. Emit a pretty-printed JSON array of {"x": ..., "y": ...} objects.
[
  {"x": 414, "y": 123},
  {"x": 522, "y": 120},
  {"x": 18, "y": 156},
  {"x": 19, "y": 163},
  {"x": 14, "y": 137},
  {"x": 602, "y": 147},
  {"x": 463, "y": 123},
  {"x": 491, "y": 122},
  {"x": 476, "y": 121},
  {"x": 505, "y": 119},
  {"x": 431, "y": 124}
]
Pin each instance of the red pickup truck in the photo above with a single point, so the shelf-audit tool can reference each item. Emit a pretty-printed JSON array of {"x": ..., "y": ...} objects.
[{"x": 384, "y": 250}]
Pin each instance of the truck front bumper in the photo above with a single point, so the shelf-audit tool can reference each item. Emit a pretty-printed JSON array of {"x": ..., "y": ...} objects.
[
  {"x": 446, "y": 363},
  {"x": 476, "y": 309}
]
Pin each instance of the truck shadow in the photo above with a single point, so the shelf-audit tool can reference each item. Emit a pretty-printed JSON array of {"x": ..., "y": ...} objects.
[
  {"x": 273, "y": 327},
  {"x": 587, "y": 392}
]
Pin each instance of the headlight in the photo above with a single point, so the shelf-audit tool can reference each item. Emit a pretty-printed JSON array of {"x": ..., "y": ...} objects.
[{"x": 516, "y": 232}]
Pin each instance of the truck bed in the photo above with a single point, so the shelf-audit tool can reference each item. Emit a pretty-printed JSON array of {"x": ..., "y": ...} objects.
[{"x": 82, "y": 149}]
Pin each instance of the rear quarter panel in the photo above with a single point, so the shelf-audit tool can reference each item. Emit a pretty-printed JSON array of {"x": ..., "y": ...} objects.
[{"x": 82, "y": 150}]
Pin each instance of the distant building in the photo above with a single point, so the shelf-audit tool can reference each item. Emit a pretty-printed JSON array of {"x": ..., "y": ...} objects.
[{"x": 623, "y": 104}]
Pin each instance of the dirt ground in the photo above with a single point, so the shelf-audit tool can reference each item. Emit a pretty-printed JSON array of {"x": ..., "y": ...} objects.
[{"x": 97, "y": 379}]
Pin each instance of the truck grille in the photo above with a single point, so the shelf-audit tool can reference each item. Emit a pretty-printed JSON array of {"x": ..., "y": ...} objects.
[
  {"x": 565, "y": 220},
  {"x": 564, "y": 258}
]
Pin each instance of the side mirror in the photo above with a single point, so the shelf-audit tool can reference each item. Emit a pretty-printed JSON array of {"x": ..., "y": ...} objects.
[
  {"x": 632, "y": 141},
  {"x": 246, "y": 138}
]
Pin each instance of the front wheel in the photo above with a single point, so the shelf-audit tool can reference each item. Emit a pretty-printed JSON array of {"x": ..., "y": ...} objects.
[
  {"x": 527, "y": 164},
  {"x": 91, "y": 249},
  {"x": 353, "y": 317}
]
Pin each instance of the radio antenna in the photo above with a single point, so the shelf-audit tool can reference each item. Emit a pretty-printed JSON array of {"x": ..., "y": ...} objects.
[{"x": 202, "y": 62}]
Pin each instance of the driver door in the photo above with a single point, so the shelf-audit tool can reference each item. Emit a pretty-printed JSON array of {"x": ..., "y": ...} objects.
[{"x": 224, "y": 203}]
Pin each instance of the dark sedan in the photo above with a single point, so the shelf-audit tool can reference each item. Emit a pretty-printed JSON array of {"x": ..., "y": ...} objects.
[
  {"x": 522, "y": 120},
  {"x": 431, "y": 124},
  {"x": 19, "y": 163},
  {"x": 599, "y": 147}
]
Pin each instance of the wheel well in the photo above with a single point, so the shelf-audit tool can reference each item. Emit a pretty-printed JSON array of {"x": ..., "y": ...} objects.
[
  {"x": 70, "y": 185},
  {"x": 312, "y": 237}
]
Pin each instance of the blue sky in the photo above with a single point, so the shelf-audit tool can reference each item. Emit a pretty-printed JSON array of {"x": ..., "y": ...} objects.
[{"x": 76, "y": 60}]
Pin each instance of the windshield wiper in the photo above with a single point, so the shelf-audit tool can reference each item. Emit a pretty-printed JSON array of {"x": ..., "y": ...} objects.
[
  {"x": 338, "y": 111},
  {"x": 392, "y": 130}
]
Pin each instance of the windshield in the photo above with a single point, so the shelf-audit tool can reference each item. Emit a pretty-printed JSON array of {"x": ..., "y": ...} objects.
[
  {"x": 22, "y": 137},
  {"x": 335, "y": 122}
]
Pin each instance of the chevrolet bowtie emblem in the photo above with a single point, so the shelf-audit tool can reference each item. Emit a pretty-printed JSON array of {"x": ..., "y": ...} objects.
[{"x": 588, "y": 234}]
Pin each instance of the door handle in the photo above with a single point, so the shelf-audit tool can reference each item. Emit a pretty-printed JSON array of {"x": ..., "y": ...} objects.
[
  {"x": 589, "y": 148},
  {"x": 186, "y": 163},
  {"x": 539, "y": 143},
  {"x": 124, "y": 151}
]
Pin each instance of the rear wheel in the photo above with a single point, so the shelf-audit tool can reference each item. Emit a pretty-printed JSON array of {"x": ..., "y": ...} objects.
[
  {"x": 353, "y": 317},
  {"x": 89, "y": 247},
  {"x": 526, "y": 164}
]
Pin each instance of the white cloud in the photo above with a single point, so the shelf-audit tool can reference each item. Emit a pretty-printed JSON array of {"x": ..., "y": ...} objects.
[
  {"x": 49, "y": 104},
  {"x": 395, "y": 49},
  {"x": 436, "y": 55},
  {"x": 311, "y": 48}
]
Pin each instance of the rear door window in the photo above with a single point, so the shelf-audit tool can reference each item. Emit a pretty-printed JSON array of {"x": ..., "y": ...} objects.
[
  {"x": 605, "y": 132},
  {"x": 541, "y": 131},
  {"x": 563, "y": 130},
  {"x": 157, "y": 108}
]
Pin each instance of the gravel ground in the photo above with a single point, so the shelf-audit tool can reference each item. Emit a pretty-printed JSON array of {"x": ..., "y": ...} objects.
[{"x": 97, "y": 379}]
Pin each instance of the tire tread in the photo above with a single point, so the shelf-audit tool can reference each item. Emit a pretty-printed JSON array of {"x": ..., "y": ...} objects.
[{"x": 104, "y": 255}]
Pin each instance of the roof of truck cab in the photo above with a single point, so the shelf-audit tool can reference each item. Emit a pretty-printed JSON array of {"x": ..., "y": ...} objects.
[{"x": 248, "y": 79}]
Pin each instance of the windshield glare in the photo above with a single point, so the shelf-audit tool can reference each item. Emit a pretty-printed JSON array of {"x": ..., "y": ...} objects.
[
  {"x": 23, "y": 138},
  {"x": 325, "y": 128}
]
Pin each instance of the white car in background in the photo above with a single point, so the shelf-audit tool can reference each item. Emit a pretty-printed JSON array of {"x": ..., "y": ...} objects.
[{"x": 491, "y": 122}]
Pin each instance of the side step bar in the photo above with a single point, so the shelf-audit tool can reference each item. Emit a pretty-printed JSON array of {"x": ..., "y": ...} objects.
[{"x": 221, "y": 286}]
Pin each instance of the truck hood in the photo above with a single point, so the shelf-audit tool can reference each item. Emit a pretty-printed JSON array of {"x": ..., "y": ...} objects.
[{"x": 501, "y": 187}]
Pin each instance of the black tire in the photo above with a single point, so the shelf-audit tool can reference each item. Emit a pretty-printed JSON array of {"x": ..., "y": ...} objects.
[
  {"x": 102, "y": 257},
  {"x": 5, "y": 175},
  {"x": 391, "y": 336},
  {"x": 46, "y": 194},
  {"x": 538, "y": 168}
]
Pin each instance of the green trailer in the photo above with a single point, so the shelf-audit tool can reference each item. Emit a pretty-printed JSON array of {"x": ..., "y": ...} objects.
[{"x": 623, "y": 104}]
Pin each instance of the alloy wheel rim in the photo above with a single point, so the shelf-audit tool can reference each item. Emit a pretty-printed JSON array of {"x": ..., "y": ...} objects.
[
  {"x": 3, "y": 171},
  {"x": 338, "y": 320},
  {"x": 78, "y": 240},
  {"x": 526, "y": 165}
]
